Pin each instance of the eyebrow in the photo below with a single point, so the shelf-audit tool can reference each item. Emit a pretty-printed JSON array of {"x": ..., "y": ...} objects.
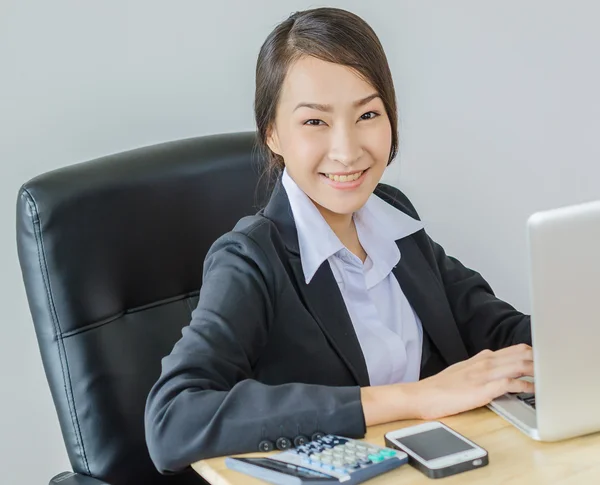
[{"x": 328, "y": 108}]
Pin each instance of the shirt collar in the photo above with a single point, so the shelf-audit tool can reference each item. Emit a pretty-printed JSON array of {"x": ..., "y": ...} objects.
[
  {"x": 316, "y": 240},
  {"x": 378, "y": 224}
]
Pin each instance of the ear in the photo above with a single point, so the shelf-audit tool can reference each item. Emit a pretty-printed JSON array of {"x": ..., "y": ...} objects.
[{"x": 273, "y": 141}]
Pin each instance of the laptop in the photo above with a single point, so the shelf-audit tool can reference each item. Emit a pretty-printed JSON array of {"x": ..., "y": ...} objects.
[{"x": 564, "y": 258}]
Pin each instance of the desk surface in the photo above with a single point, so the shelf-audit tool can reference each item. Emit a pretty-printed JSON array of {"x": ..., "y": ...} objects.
[{"x": 514, "y": 458}]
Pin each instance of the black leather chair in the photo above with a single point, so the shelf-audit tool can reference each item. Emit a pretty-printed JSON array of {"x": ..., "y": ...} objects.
[{"x": 111, "y": 253}]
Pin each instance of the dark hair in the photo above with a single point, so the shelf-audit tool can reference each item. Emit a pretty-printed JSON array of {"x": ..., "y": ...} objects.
[{"x": 332, "y": 35}]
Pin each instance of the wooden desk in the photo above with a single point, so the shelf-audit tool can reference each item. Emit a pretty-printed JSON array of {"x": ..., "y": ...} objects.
[{"x": 514, "y": 458}]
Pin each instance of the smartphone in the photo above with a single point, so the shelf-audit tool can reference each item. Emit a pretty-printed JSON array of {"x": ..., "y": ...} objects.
[{"x": 437, "y": 450}]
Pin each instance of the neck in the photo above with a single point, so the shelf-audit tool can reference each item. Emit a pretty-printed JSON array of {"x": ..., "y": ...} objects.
[
  {"x": 343, "y": 227},
  {"x": 341, "y": 224}
]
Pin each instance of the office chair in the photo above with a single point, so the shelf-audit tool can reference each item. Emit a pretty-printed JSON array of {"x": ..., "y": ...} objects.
[{"x": 111, "y": 253}]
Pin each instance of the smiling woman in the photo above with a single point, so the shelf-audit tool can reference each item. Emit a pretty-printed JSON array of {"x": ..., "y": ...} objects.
[
  {"x": 331, "y": 309},
  {"x": 326, "y": 105}
]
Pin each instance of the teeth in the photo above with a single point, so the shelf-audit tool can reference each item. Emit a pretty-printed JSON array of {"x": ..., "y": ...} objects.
[{"x": 344, "y": 178}]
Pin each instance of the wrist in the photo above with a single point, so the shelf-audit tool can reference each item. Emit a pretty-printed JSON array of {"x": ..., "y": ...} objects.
[
  {"x": 414, "y": 392},
  {"x": 384, "y": 404}
]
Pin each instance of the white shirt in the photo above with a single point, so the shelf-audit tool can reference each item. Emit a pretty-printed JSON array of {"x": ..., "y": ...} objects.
[{"x": 388, "y": 330}]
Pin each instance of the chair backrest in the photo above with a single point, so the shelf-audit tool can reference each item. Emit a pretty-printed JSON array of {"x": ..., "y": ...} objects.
[{"x": 111, "y": 253}]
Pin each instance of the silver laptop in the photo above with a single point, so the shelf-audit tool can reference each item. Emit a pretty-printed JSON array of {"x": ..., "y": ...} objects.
[{"x": 564, "y": 255}]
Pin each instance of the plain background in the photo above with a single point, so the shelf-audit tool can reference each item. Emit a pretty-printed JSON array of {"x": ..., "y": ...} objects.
[{"x": 499, "y": 111}]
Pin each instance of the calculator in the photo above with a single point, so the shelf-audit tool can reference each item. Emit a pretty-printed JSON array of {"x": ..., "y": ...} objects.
[{"x": 328, "y": 460}]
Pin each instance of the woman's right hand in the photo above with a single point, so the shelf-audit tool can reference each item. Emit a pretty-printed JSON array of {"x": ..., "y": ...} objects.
[
  {"x": 461, "y": 387},
  {"x": 474, "y": 382}
]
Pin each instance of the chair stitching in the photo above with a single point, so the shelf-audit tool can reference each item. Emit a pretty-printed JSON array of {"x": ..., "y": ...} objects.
[{"x": 58, "y": 332}]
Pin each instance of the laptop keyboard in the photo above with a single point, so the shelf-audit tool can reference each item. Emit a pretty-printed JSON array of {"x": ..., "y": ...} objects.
[{"x": 528, "y": 398}]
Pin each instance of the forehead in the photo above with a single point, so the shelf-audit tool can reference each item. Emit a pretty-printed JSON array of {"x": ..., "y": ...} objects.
[{"x": 313, "y": 80}]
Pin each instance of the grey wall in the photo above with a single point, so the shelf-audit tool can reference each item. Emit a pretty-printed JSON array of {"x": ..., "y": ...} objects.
[{"x": 499, "y": 106}]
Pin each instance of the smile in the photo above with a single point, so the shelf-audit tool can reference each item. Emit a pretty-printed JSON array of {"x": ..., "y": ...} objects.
[
  {"x": 344, "y": 181},
  {"x": 344, "y": 178}
]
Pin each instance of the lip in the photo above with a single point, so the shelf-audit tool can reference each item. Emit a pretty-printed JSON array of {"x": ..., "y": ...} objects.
[{"x": 345, "y": 185}]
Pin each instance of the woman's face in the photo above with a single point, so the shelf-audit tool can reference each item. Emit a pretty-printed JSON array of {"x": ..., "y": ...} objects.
[{"x": 334, "y": 135}]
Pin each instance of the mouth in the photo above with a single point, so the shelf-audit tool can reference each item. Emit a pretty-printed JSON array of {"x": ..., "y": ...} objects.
[{"x": 348, "y": 180}]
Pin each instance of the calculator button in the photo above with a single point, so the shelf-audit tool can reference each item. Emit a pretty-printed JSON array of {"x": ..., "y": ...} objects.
[
  {"x": 361, "y": 447},
  {"x": 265, "y": 446},
  {"x": 387, "y": 453},
  {"x": 300, "y": 440},
  {"x": 376, "y": 458},
  {"x": 327, "y": 452},
  {"x": 365, "y": 462}
]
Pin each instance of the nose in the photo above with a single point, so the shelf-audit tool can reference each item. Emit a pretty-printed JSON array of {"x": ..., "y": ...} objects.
[{"x": 345, "y": 146}]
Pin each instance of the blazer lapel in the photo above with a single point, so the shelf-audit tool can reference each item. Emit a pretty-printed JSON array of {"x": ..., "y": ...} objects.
[
  {"x": 322, "y": 296},
  {"x": 323, "y": 299},
  {"x": 427, "y": 296}
]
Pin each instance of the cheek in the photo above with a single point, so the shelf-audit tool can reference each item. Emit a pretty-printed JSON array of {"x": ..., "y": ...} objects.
[
  {"x": 305, "y": 149},
  {"x": 379, "y": 143}
]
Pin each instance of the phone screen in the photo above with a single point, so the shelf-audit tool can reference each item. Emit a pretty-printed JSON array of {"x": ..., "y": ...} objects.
[{"x": 434, "y": 443}]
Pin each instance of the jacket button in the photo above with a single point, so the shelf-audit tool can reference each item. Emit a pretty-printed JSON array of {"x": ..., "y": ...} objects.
[
  {"x": 300, "y": 440},
  {"x": 317, "y": 436},
  {"x": 283, "y": 444},
  {"x": 265, "y": 446}
]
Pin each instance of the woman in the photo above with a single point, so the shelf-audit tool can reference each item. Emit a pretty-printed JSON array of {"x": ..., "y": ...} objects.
[{"x": 331, "y": 309}]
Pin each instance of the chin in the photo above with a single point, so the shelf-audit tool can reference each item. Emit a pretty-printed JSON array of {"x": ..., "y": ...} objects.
[{"x": 345, "y": 207}]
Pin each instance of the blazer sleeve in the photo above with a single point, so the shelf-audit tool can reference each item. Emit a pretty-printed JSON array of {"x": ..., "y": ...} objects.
[
  {"x": 206, "y": 402},
  {"x": 484, "y": 321}
]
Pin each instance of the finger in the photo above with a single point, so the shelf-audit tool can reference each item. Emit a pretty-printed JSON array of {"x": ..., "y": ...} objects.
[
  {"x": 500, "y": 359},
  {"x": 494, "y": 359},
  {"x": 516, "y": 350},
  {"x": 521, "y": 349},
  {"x": 518, "y": 385},
  {"x": 502, "y": 386},
  {"x": 512, "y": 369}
]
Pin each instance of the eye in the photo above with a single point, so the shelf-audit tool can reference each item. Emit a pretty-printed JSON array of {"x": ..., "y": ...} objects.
[
  {"x": 369, "y": 115},
  {"x": 314, "y": 122}
]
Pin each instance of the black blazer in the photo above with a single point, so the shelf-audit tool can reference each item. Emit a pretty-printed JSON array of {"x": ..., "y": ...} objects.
[{"x": 268, "y": 356}]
